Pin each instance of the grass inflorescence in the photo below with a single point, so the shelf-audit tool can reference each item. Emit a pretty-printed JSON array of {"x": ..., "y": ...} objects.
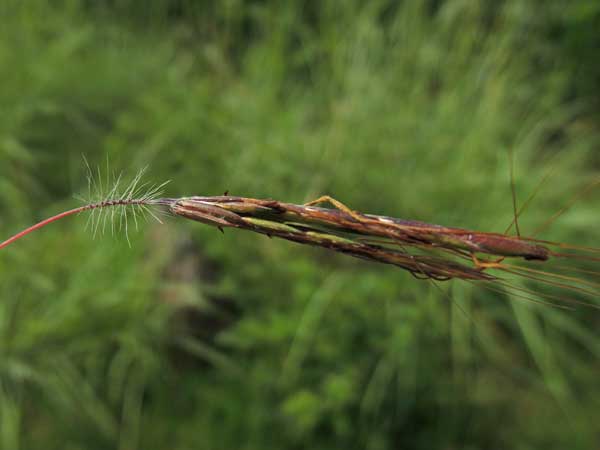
[
  {"x": 425, "y": 250},
  {"x": 396, "y": 108}
]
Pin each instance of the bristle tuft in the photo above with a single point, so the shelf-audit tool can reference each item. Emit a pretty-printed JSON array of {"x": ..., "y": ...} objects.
[{"x": 113, "y": 204}]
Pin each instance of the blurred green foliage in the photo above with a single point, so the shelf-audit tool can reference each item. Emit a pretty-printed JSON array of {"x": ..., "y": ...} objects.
[{"x": 191, "y": 339}]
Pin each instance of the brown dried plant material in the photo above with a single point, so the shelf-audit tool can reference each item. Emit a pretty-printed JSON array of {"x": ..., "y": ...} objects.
[{"x": 425, "y": 250}]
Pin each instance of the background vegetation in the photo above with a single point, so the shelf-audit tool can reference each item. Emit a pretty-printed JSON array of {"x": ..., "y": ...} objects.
[{"x": 191, "y": 339}]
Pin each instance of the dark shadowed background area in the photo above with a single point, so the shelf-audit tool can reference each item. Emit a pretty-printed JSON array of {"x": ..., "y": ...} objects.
[{"x": 190, "y": 339}]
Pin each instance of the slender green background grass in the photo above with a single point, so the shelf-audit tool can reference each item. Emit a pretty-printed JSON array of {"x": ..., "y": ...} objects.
[{"x": 191, "y": 339}]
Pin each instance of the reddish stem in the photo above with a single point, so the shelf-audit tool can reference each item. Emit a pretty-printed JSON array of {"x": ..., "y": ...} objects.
[
  {"x": 104, "y": 204},
  {"x": 43, "y": 223}
]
